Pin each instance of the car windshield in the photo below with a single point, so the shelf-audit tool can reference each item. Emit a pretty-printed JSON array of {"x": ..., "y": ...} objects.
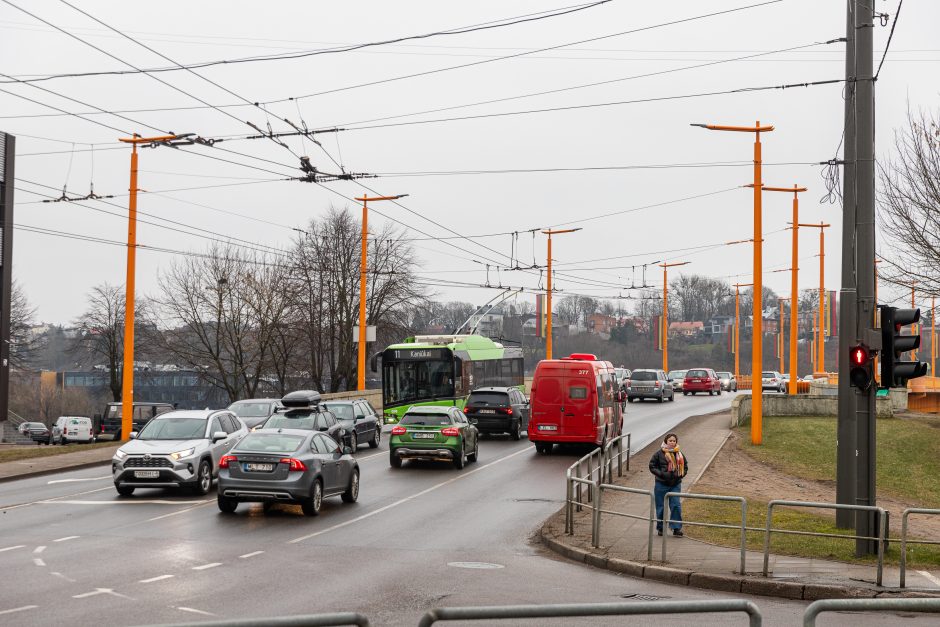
[
  {"x": 724, "y": 375},
  {"x": 430, "y": 420},
  {"x": 343, "y": 411},
  {"x": 249, "y": 409},
  {"x": 643, "y": 375},
  {"x": 696, "y": 373},
  {"x": 286, "y": 421},
  {"x": 173, "y": 429},
  {"x": 677, "y": 374},
  {"x": 769, "y": 375},
  {"x": 270, "y": 443},
  {"x": 488, "y": 398}
]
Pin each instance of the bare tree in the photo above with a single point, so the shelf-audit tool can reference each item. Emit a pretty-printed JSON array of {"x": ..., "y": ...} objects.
[
  {"x": 22, "y": 314},
  {"x": 101, "y": 332},
  {"x": 696, "y": 297},
  {"x": 909, "y": 205}
]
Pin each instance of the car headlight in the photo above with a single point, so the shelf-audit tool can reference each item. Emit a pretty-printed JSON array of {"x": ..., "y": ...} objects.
[
  {"x": 181, "y": 454},
  {"x": 120, "y": 454}
]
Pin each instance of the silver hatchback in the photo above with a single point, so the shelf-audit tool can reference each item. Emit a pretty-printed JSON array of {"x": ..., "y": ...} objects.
[{"x": 178, "y": 449}]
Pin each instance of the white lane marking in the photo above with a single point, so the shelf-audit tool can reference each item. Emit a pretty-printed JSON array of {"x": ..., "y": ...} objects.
[
  {"x": 10, "y": 548},
  {"x": 77, "y": 480},
  {"x": 19, "y": 609},
  {"x": 67, "y": 538},
  {"x": 207, "y": 566},
  {"x": 98, "y": 591},
  {"x": 408, "y": 498},
  {"x": 69, "y": 579},
  {"x": 193, "y": 610},
  {"x": 362, "y": 459},
  {"x": 39, "y": 549},
  {"x": 247, "y": 555},
  {"x": 159, "y": 578},
  {"x": 182, "y": 511},
  {"x": 125, "y": 502},
  {"x": 52, "y": 500},
  {"x": 38, "y": 561},
  {"x": 931, "y": 578}
]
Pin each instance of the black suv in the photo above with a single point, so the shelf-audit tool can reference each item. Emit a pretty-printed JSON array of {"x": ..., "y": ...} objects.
[
  {"x": 359, "y": 419},
  {"x": 302, "y": 410},
  {"x": 498, "y": 410}
]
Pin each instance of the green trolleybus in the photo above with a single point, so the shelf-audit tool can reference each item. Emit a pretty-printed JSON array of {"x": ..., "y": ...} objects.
[{"x": 443, "y": 370}]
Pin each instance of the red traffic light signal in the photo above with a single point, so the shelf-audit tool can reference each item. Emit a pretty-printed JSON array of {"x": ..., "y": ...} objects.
[
  {"x": 860, "y": 372},
  {"x": 858, "y": 356}
]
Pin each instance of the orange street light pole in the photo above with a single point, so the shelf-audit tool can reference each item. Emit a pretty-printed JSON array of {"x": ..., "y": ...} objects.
[
  {"x": 127, "y": 376},
  {"x": 794, "y": 283},
  {"x": 737, "y": 329},
  {"x": 361, "y": 361},
  {"x": 821, "y": 338},
  {"x": 548, "y": 298},
  {"x": 665, "y": 329},
  {"x": 757, "y": 352}
]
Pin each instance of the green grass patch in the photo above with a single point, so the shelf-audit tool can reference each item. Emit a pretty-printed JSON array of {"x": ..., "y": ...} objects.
[
  {"x": 839, "y": 549},
  {"x": 907, "y": 460},
  {"x": 19, "y": 454}
]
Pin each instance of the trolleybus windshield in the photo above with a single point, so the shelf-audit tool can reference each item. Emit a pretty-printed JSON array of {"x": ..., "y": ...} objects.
[{"x": 405, "y": 381}]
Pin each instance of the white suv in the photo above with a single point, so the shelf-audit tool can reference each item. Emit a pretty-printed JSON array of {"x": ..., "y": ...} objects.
[{"x": 773, "y": 381}]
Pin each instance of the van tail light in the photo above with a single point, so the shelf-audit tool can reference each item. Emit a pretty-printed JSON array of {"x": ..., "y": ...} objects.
[
  {"x": 506, "y": 410},
  {"x": 399, "y": 430},
  {"x": 450, "y": 432},
  {"x": 226, "y": 459},
  {"x": 295, "y": 464}
]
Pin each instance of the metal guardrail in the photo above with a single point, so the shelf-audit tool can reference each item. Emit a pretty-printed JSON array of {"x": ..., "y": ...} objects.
[
  {"x": 502, "y": 612},
  {"x": 709, "y": 497},
  {"x": 859, "y": 508},
  {"x": 598, "y": 466},
  {"x": 866, "y": 605},
  {"x": 308, "y": 620},
  {"x": 904, "y": 540},
  {"x": 596, "y": 528},
  {"x": 618, "y": 443}
]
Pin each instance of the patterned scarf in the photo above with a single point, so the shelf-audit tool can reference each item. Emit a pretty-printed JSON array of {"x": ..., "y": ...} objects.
[{"x": 675, "y": 461}]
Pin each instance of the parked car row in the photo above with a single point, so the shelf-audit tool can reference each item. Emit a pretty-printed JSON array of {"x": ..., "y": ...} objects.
[{"x": 66, "y": 430}]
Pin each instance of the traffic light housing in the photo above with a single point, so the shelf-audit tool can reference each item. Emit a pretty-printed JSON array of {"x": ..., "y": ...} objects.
[
  {"x": 861, "y": 370},
  {"x": 895, "y": 371}
]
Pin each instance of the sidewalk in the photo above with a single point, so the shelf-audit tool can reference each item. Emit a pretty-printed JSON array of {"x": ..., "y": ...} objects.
[
  {"x": 78, "y": 459},
  {"x": 623, "y": 541}
]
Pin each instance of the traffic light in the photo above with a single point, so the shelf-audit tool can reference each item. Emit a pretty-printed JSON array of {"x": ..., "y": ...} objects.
[
  {"x": 894, "y": 371},
  {"x": 861, "y": 368}
]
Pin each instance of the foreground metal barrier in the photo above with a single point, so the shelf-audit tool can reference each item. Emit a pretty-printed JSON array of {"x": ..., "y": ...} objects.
[
  {"x": 308, "y": 620},
  {"x": 859, "y": 508},
  {"x": 709, "y": 497},
  {"x": 596, "y": 529},
  {"x": 610, "y": 457},
  {"x": 498, "y": 612},
  {"x": 904, "y": 540},
  {"x": 866, "y": 605},
  {"x": 591, "y": 471}
]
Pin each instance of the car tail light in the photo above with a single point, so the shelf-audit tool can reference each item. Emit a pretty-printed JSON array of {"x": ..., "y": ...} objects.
[
  {"x": 399, "y": 430},
  {"x": 450, "y": 432},
  {"x": 657, "y": 384},
  {"x": 506, "y": 410},
  {"x": 466, "y": 410},
  {"x": 295, "y": 464},
  {"x": 224, "y": 462}
]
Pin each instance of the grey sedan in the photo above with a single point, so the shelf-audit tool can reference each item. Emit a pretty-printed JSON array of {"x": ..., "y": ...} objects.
[
  {"x": 178, "y": 449},
  {"x": 287, "y": 466}
]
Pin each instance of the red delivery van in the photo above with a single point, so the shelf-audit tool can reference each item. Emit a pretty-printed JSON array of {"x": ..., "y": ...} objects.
[{"x": 573, "y": 399}]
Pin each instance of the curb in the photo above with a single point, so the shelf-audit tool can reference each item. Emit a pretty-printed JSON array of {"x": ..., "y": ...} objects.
[
  {"x": 51, "y": 471},
  {"x": 722, "y": 583}
]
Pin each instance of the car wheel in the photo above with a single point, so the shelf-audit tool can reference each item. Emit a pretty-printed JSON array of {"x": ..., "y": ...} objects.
[
  {"x": 203, "y": 479},
  {"x": 124, "y": 490},
  {"x": 459, "y": 457},
  {"x": 311, "y": 506},
  {"x": 475, "y": 455},
  {"x": 630, "y": 399},
  {"x": 354, "y": 442},
  {"x": 227, "y": 506},
  {"x": 394, "y": 459},
  {"x": 719, "y": 391},
  {"x": 659, "y": 400},
  {"x": 543, "y": 448},
  {"x": 672, "y": 397},
  {"x": 377, "y": 437},
  {"x": 516, "y": 432},
  {"x": 267, "y": 506},
  {"x": 352, "y": 492},
  {"x": 685, "y": 394}
]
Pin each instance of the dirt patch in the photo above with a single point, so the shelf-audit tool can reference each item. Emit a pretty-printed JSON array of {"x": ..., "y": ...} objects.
[{"x": 734, "y": 471}]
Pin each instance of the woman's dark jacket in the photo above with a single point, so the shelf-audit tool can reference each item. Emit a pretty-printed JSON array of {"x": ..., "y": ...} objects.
[{"x": 658, "y": 466}]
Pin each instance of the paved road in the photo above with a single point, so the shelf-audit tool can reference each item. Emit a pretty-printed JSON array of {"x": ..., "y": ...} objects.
[{"x": 76, "y": 554}]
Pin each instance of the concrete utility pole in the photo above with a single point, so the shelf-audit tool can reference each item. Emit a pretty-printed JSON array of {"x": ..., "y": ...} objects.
[
  {"x": 7, "y": 159},
  {"x": 846, "y": 448},
  {"x": 665, "y": 267}
]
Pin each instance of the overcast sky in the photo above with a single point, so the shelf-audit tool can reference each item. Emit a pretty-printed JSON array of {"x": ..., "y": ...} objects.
[{"x": 252, "y": 207}]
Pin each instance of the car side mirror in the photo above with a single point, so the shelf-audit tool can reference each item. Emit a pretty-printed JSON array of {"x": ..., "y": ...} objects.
[
  {"x": 347, "y": 450},
  {"x": 219, "y": 435},
  {"x": 322, "y": 428},
  {"x": 133, "y": 435},
  {"x": 360, "y": 417}
]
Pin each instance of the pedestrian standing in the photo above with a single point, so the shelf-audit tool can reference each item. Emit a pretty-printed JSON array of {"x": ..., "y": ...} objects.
[{"x": 669, "y": 466}]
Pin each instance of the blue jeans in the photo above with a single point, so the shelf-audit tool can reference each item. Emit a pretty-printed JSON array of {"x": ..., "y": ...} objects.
[{"x": 675, "y": 505}]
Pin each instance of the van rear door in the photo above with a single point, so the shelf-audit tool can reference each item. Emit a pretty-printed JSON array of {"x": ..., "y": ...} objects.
[
  {"x": 548, "y": 399},
  {"x": 580, "y": 402}
]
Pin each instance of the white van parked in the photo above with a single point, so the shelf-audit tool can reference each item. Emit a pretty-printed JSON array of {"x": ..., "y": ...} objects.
[{"x": 72, "y": 429}]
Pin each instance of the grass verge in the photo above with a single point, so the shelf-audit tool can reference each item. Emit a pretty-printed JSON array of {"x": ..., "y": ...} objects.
[
  {"x": 19, "y": 454},
  {"x": 839, "y": 549}
]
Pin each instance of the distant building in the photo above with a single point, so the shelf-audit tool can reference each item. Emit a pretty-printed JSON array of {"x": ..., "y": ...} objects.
[
  {"x": 687, "y": 329},
  {"x": 600, "y": 324}
]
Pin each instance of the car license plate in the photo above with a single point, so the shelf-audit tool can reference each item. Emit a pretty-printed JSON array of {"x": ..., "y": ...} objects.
[
  {"x": 548, "y": 427},
  {"x": 146, "y": 474},
  {"x": 423, "y": 436},
  {"x": 486, "y": 411},
  {"x": 259, "y": 467}
]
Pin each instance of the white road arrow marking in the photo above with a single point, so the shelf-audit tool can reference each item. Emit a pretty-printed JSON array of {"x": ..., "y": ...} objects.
[{"x": 98, "y": 591}]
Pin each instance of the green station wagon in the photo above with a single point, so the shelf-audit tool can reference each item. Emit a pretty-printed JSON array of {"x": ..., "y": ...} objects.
[{"x": 434, "y": 433}]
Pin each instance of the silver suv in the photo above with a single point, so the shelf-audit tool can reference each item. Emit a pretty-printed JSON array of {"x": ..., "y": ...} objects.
[
  {"x": 178, "y": 449},
  {"x": 649, "y": 383}
]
